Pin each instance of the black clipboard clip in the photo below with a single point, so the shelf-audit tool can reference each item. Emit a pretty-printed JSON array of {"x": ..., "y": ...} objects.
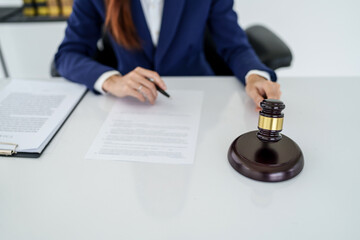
[{"x": 8, "y": 151}]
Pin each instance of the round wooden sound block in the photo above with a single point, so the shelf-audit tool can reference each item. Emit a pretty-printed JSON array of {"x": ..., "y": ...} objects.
[{"x": 265, "y": 161}]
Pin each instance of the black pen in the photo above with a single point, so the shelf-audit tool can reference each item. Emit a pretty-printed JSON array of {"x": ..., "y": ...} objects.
[{"x": 158, "y": 88}]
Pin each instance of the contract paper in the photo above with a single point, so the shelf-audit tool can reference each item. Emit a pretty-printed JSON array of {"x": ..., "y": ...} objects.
[
  {"x": 165, "y": 132},
  {"x": 32, "y": 111}
]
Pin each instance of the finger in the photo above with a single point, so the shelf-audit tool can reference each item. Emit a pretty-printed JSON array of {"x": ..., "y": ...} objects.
[
  {"x": 150, "y": 85},
  {"x": 138, "y": 80},
  {"x": 151, "y": 75},
  {"x": 136, "y": 94},
  {"x": 133, "y": 88},
  {"x": 272, "y": 90},
  {"x": 261, "y": 92},
  {"x": 256, "y": 96},
  {"x": 140, "y": 86},
  {"x": 147, "y": 93}
]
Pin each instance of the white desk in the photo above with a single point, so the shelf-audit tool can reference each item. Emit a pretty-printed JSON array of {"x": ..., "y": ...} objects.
[{"x": 63, "y": 196}]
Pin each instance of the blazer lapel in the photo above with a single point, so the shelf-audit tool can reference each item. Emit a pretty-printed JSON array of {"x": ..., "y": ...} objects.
[
  {"x": 142, "y": 29},
  {"x": 171, "y": 17}
]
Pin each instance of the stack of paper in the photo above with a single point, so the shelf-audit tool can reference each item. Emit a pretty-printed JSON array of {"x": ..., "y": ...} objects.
[{"x": 31, "y": 112}]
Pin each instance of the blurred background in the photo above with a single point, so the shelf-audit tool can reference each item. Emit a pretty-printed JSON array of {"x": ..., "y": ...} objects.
[{"x": 324, "y": 37}]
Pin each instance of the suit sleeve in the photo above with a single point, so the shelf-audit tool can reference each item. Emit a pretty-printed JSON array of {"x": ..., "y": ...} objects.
[
  {"x": 74, "y": 57},
  {"x": 231, "y": 41}
]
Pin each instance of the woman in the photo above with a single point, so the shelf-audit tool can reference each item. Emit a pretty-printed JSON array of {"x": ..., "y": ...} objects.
[{"x": 144, "y": 52}]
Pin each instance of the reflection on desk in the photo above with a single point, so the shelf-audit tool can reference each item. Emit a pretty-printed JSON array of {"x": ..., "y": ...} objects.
[{"x": 63, "y": 196}]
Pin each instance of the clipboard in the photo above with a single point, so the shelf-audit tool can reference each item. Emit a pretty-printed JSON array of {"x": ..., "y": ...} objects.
[{"x": 8, "y": 149}]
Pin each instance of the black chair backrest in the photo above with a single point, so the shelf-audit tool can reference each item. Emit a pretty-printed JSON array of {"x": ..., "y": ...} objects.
[{"x": 271, "y": 50}]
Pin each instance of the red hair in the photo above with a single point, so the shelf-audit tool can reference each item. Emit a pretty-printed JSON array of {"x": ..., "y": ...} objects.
[{"x": 120, "y": 23}]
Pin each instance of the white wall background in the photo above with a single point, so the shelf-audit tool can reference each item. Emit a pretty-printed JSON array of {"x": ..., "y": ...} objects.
[
  {"x": 10, "y": 2},
  {"x": 324, "y": 36}
]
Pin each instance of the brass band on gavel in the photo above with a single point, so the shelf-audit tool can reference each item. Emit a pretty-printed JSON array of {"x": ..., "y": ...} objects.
[{"x": 271, "y": 124}]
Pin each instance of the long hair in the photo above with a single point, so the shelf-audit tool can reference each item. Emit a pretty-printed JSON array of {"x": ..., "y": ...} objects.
[{"x": 120, "y": 23}]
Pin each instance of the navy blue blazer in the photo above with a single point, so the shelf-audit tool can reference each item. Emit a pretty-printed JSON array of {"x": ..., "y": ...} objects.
[{"x": 180, "y": 46}]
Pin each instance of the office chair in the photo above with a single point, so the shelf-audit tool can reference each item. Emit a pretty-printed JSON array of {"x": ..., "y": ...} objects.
[{"x": 271, "y": 50}]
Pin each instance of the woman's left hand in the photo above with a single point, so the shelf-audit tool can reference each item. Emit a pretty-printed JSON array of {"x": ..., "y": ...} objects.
[{"x": 259, "y": 88}]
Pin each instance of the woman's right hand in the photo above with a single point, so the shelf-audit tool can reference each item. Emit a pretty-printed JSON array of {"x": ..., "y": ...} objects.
[{"x": 136, "y": 84}]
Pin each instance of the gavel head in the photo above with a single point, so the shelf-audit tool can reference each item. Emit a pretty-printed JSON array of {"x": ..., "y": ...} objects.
[{"x": 270, "y": 120}]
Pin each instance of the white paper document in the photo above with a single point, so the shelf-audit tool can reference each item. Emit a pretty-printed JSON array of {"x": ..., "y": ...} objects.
[
  {"x": 32, "y": 111},
  {"x": 163, "y": 133}
]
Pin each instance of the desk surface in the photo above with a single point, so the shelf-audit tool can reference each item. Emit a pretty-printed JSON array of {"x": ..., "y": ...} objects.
[{"x": 64, "y": 196}]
